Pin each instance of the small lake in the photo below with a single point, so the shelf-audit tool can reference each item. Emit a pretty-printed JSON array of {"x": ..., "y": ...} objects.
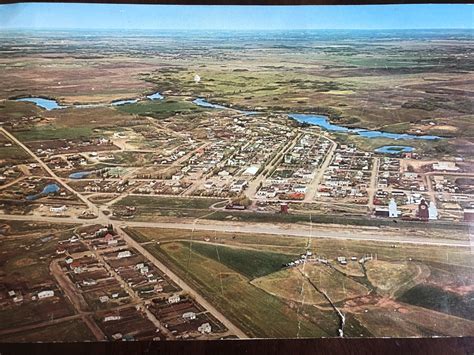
[
  {"x": 155, "y": 96},
  {"x": 323, "y": 122},
  {"x": 48, "y": 189},
  {"x": 80, "y": 174},
  {"x": 47, "y": 104},
  {"x": 394, "y": 149}
]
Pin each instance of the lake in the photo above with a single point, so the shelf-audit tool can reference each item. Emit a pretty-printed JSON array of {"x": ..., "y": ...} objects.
[
  {"x": 323, "y": 122},
  {"x": 394, "y": 149},
  {"x": 47, "y": 104}
]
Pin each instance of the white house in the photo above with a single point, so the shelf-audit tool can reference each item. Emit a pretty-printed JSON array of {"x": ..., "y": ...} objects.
[
  {"x": 445, "y": 166},
  {"x": 174, "y": 299},
  {"x": 45, "y": 294},
  {"x": 111, "y": 318},
  {"x": 124, "y": 254},
  {"x": 189, "y": 315},
  {"x": 205, "y": 328},
  {"x": 59, "y": 209}
]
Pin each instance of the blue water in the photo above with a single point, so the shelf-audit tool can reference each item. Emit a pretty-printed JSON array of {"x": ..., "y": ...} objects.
[
  {"x": 80, "y": 174},
  {"x": 124, "y": 102},
  {"x": 47, "y": 104},
  {"x": 394, "y": 149},
  {"x": 156, "y": 96},
  {"x": 48, "y": 189},
  {"x": 323, "y": 122},
  {"x": 203, "y": 103}
]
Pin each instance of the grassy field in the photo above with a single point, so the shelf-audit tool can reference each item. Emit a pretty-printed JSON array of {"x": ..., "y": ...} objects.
[
  {"x": 393, "y": 278},
  {"x": 435, "y": 298},
  {"x": 161, "y": 108},
  {"x": 38, "y": 133},
  {"x": 290, "y": 284},
  {"x": 250, "y": 263},
  {"x": 167, "y": 202},
  {"x": 148, "y": 207}
]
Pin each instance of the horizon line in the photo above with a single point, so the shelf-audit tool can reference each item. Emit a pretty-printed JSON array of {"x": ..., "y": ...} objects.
[{"x": 230, "y": 29}]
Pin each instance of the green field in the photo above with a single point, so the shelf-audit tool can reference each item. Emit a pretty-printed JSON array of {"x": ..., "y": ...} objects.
[
  {"x": 37, "y": 133},
  {"x": 160, "y": 108},
  {"x": 440, "y": 300},
  {"x": 250, "y": 263}
]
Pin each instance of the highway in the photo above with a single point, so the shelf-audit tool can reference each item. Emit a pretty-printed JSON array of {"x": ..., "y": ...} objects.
[{"x": 357, "y": 234}]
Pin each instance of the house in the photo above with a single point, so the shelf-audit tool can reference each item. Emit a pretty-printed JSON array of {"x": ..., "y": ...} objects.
[
  {"x": 238, "y": 186},
  {"x": 174, "y": 299},
  {"x": 58, "y": 209},
  {"x": 445, "y": 166},
  {"x": 45, "y": 294},
  {"x": 69, "y": 260},
  {"x": 112, "y": 318},
  {"x": 300, "y": 189},
  {"x": 124, "y": 254},
  {"x": 205, "y": 328},
  {"x": 18, "y": 299},
  {"x": 189, "y": 315}
]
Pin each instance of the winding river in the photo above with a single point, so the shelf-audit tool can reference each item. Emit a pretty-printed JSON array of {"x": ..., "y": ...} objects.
[{"x": 317, "y": 120}]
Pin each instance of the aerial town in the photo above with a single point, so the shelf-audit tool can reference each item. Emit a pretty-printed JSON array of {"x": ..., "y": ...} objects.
[{"x": 221, "y": 195}]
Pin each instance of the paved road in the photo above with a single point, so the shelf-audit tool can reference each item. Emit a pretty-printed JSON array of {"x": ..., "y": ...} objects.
[
  {"x": 267, "y": 228},
  {"x": 373, "y": 183},
  {"x": 314, "y": 185}
]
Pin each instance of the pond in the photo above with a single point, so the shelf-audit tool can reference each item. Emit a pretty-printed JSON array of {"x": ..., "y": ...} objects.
[
  {"x": 394, "y": 149},
  {"x": 323, "y": 122},
  {"x": 156, "y": 96},
  {"x": 80, "y": 174},
  {"x": 48, "y": 189},
  {"x": 47, "y": 104},
  {"x": 124, "y": 102}
]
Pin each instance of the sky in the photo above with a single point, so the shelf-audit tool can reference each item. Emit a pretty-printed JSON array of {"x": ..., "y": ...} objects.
[{"x": 184, "y": 17}]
